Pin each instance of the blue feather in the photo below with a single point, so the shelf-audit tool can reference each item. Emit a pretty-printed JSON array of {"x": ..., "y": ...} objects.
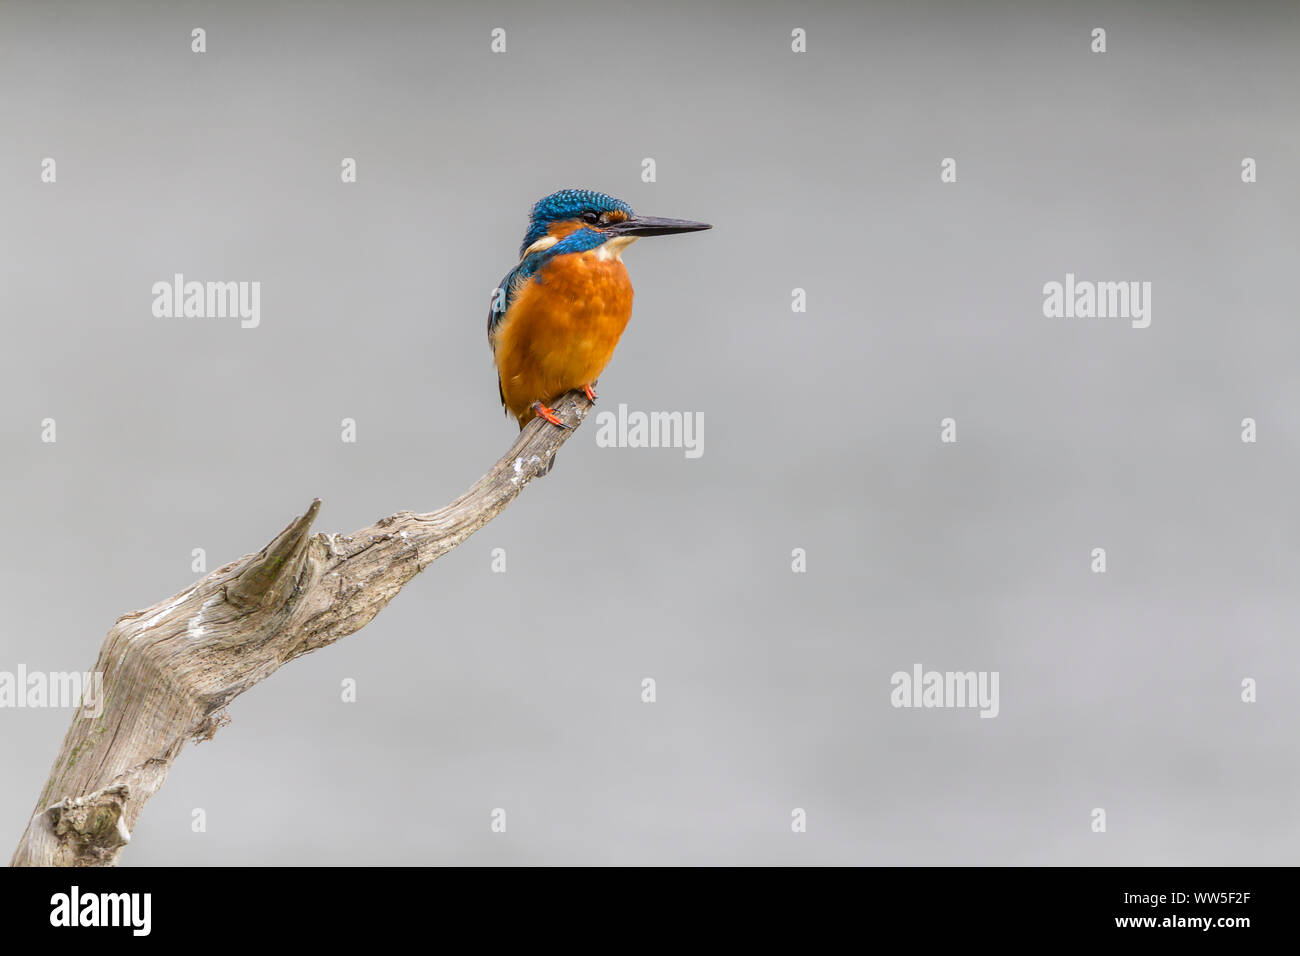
[
  {"x": 530, "y": 267},
  {"x": 565, "y": 205}
]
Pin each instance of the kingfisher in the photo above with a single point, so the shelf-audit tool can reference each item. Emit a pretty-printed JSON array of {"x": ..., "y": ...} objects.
[{"x": 557, "y": 315}]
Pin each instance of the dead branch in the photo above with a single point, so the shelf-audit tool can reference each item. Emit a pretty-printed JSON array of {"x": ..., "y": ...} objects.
[{"x": 170, "y": 671}]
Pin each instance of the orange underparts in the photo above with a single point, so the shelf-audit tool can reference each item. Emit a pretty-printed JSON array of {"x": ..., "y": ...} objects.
[{"x": 561, "y": 331}]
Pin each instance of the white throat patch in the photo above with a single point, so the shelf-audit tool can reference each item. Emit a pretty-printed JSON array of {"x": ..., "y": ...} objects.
[{"x": 613, "y": 248}]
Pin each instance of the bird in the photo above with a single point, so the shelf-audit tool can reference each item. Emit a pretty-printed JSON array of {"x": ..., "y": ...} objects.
[{"x": 557, "y": 316}]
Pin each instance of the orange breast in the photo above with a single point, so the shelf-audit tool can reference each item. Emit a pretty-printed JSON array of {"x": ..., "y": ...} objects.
[{"x": 561, "y": 330}]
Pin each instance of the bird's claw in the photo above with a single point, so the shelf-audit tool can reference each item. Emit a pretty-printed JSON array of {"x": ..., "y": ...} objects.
[
  {"x": 541, "y": 411},
  {"x": 590, "y": 393}
]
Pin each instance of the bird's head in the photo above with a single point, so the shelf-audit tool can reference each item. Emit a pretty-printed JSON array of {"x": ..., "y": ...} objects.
[{"x": 605, "y": 218}]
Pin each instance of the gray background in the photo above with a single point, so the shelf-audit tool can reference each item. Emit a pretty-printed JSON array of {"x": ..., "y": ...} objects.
[{"x": 821, "y": 429}]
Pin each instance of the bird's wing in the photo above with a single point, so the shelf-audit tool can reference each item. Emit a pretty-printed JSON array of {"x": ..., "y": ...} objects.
[
  {"x": 505, "y": 294},
  {"x": 502, "y": 296}
]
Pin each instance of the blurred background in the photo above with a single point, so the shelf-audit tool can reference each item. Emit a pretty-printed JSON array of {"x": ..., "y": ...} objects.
[{"x": 820, "y": 171}]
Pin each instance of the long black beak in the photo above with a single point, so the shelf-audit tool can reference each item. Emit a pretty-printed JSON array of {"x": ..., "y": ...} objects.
[{"x": 653, "y": 226}]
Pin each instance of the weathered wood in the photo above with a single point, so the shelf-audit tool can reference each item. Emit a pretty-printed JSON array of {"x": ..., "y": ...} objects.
[{"x": 170, "y": 671}]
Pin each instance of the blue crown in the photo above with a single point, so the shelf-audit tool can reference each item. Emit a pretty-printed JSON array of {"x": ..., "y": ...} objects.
[{"x": 565, "y": 205}]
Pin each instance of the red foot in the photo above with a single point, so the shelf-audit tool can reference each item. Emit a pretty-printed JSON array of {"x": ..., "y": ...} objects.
[
  {"x": 541, "y": 411},
  {"x": 591, "y": 393}
]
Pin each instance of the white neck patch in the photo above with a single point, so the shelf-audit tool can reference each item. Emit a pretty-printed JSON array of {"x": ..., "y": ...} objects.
[
  {"x": 543, "y": 243},
  {"x": 609, "y": 249}
]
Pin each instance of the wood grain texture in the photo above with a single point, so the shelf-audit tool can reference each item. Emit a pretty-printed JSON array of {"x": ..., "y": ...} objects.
[{"x": 170, "y": 671}]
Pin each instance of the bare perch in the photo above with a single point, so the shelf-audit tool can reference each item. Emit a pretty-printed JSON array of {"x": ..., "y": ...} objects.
[{"x": 170, "y": 671}]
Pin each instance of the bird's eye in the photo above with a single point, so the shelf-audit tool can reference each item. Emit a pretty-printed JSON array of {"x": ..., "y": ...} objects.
[{"x": 591, "y": 216}]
